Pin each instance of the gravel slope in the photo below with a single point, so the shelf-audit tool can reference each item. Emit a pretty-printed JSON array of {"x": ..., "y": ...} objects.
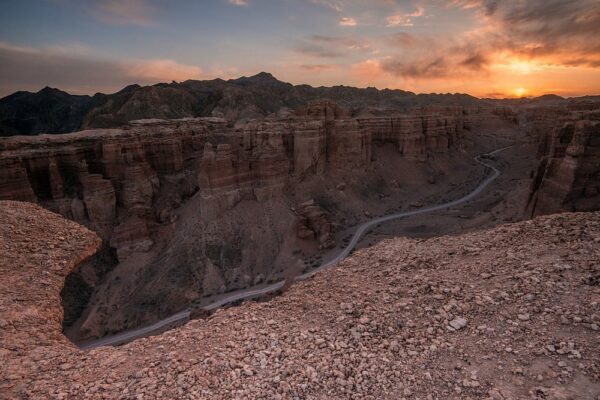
[{"x": 507, "y": 313}]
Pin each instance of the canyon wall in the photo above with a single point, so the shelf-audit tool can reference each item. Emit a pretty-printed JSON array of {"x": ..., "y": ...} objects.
[
  {"x": 121, "y": 182},
  {"x": 181, "y": 203},
  {"x": 568, "y": 176}
]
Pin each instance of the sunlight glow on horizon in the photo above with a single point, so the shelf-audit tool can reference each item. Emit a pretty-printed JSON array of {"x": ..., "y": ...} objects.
[
  {"x": 422, "y": 46},
  {"x": 520, "y": 92}
]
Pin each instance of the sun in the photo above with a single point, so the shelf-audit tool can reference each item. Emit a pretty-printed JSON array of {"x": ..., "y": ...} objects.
[{"x": 520, "y": 91}]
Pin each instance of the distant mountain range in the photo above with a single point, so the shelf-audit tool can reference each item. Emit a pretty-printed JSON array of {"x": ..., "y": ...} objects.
[{"x": 54, "y": 111}]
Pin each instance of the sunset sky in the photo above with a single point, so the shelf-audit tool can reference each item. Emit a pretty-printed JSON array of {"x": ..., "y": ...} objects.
[{"x": 493, "y": 48}]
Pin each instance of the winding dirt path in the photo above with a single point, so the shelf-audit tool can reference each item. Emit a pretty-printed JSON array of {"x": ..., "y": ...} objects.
[{"x": 245, "y": 294}]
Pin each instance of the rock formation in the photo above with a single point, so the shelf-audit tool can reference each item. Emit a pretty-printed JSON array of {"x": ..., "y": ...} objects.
[
  {"x": 314, "y": 223},
  {"x": 568, "y": 177},
  {"x": 177, "y": 197},
  {"x": 125, "y": 181}
]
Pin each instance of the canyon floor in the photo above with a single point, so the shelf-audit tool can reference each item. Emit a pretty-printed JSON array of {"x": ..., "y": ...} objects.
[
  {"x": 503, "y": 202},
  {"x": 507, "y": 313}
]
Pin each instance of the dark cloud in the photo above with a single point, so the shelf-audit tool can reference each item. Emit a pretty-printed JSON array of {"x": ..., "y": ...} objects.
[
  {"x": 403, "y": 39},
  {"x": 547, "y": 27},
  {"x": 30, "y": 69},
  {"x": 558, "y": 32},
  {"x": 331, "y": 46},
  {"x": 475, "y": 61},
  {"x": 319, "y": 51},
  {"x": 435, "y": 67}
]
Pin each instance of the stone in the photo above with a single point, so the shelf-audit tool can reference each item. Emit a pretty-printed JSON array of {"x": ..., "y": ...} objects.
[
  {"x": 523, "y": 317},
  {"x": 314, "y": 224},
  {"x": 360, "y": 329},
  {"x": 458, "y": 323}
]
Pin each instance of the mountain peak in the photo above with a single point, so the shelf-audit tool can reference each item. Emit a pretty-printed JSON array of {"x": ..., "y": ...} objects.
[
  {"x": 264, "y": 75},
  {"x": 260, "y": 78},
  {"x": 49, "y": 90}
]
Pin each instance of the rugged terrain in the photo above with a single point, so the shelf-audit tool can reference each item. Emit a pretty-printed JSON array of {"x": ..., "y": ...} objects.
[
  {"x": 189, "y": 209},
  {"x": 512, "y": 312},
  {"x": 568, "y": 177},
  {"x": 54, "y": 111},
  {"x": 192, "y": 208}
]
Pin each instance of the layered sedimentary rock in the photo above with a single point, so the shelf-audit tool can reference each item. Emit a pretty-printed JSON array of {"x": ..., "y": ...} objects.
[
  {"x": 310, "y": 146},
  {"x": 568, "y": 177},
  {"x": 349, "y": 145},
  {"x": 108, "y": 178},
  {"x": 14, "y": 182},
  {"x": 538, "y": 124},
  {"x": 173, "y": 200},
  {"x": 313, "y": 223}
]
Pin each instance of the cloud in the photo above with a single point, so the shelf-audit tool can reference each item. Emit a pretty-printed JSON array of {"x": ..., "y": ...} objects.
[
  {"x": 238, "y": 2},
  {"x": 125, "y": 12},
  {"x": 318, "y": 67},
  {"x": 161, "y": 70},
  {"x": 405, "y": 40},
  {"x": 368, "y": 69},
  {"x": 31, "y": 69},
  {"x": 347, "y": 21},
  {"x": 335, "y": 5},
  {"x": 465, "y": 4},
  {"x": 427, "y": 67},
  {"x": 404, "y": 19},
  {"x": 319, "y": 51},
  {"x": 557, "y": 30},
  {"x": 533, "y": 33},
  {"x": 331, "y": 46}
]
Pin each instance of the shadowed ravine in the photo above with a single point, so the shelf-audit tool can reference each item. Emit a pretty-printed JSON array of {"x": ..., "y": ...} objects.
[{"x": 250, "y": 293}]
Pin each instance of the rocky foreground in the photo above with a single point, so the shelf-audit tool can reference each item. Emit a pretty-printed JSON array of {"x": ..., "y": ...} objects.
[{"x": 509, "y": 313}]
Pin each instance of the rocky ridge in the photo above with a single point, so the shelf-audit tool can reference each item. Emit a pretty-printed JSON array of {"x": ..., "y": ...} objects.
[
  {"x": 511, "y": 312},
  {"x": 54, "y": 111}
]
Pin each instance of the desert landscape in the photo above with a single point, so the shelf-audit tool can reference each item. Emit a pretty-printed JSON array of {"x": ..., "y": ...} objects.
[{"x": 250, "y": 238}]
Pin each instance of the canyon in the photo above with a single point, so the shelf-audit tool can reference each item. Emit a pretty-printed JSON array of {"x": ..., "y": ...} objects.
[
  {"x": 173, "y": 215},
  {"x": 408, "y": 210},
  {"x": 173, "y": 200},
  {"x": 194, "y": 208}
]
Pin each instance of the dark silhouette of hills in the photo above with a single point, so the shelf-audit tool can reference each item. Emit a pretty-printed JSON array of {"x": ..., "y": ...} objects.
[{"x": 54, "y": 111}]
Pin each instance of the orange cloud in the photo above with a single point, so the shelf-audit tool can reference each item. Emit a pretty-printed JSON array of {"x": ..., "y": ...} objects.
[
  {"x": 82, "y": 72},
  {"x": 163, "y": 70},
  {"x": 368, "y": 69},
  {"x": 348, "y": 21},
  {"x": 404, "y": 19},
  {"x": 318, "y": 67},
  {"x": 371, "y": 73}
]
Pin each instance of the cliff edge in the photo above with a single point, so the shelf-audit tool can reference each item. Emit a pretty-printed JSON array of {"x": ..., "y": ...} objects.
[
  {"x": 38, "y": 249},
  {"x": 512, "y": 312}
]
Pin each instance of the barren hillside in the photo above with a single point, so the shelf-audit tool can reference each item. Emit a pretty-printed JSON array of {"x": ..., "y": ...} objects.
[{"x": 512, "y": 312}]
